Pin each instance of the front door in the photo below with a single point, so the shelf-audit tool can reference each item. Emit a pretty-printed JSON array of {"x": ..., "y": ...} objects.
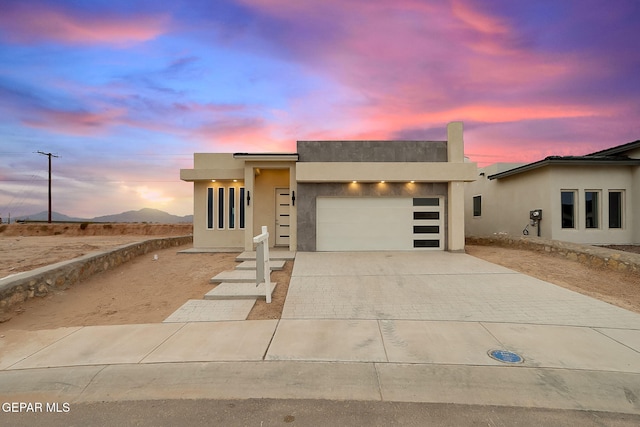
[{"x": 282, "y": 216}]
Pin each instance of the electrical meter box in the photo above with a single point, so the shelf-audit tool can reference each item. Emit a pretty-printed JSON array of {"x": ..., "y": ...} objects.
[{"x": 535, "y": 215}]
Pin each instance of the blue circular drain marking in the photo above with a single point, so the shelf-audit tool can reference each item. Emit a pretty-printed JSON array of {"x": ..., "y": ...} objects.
[{"x": 505, "y": 356}]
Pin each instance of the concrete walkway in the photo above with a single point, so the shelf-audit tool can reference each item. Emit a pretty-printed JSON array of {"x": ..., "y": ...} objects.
[{"x": 412, "y": 327}]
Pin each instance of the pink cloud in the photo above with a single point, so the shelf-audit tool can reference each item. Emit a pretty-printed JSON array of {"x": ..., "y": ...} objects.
[
  {"x": 408, "y": 63},
  {"x": 83, "y": 123},
  {"x": 31, "y": 22}
]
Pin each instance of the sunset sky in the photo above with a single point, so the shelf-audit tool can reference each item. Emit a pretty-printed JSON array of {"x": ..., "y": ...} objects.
[{"x": 124, "y": 92}]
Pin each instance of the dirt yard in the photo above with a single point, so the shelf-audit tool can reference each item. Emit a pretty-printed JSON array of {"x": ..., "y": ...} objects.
[{"x": 148, "y": 291}]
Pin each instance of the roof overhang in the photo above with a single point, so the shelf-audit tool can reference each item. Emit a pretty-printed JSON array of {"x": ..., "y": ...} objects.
[
  {"x": 267, "y": 157},
  {"x": 568, "y": 161}
]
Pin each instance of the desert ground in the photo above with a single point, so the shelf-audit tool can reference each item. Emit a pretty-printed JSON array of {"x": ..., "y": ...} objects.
[{"x": 147, "y": 290}]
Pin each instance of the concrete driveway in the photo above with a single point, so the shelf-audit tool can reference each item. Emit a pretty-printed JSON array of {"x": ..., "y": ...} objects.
[{"x": 404, "y": 327}]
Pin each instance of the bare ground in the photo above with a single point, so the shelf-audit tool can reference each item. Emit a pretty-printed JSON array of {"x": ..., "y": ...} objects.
[
  {"x": 617, "y": 288},
  {"x": 148, "y": 291}
]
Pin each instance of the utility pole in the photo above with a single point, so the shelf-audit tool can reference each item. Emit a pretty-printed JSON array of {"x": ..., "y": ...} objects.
[{"x": 50, "y": 156}]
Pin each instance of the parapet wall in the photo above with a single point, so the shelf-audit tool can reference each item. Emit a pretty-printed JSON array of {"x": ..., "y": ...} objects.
[
  {"x": 594, "y": 256},
  {"x": 39, "y": 282}
]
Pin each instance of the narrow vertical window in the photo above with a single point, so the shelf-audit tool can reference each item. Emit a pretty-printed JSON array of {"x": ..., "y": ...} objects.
[
  {"x": 615, "y": 209},
  {"x": 221, "y": 207},
  {"x": 591, "y": 209},
  {"x": 568, "y": 200},
  {"x": 241, "y": 206},
  {"x": 232, "y": 207},
  {"x": 209, "y": 208},
  {"x": 477, "y": 205}
]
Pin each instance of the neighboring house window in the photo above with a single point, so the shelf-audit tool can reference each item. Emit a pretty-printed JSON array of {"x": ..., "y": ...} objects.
[
  {"x": 615, "y": 209},
  {"x": 568, "y": 200},
  {"x": 209, "y": 208},
  {"x": 592, "y": 209},
  {"x": 477, "y": 205},
  {"x": 221, "y": 207},
  {"x": 241, "y": 206},
  {"x": 232, "y": 207}
]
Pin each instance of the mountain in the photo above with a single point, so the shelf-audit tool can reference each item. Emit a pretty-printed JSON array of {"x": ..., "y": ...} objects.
[
  {"x": 44, "y": 216},
  {"x": 142, "y": 215}
]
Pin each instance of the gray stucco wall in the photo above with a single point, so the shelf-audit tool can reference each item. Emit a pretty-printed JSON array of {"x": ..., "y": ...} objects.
[
  {"x": 308, "y": 192},
  {"x": 372, "y": 151}
]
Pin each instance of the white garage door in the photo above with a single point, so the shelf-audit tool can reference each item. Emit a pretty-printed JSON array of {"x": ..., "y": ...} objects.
[{"x": 374, "y": 224}]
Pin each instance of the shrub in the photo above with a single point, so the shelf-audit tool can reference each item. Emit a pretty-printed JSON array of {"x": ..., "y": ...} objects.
[{"x": 84, "y": 225}]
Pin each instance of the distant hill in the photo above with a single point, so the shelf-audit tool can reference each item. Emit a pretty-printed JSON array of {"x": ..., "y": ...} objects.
[
  {"x": 145, "y": 215},
  {"x": 142, "y": 215}
]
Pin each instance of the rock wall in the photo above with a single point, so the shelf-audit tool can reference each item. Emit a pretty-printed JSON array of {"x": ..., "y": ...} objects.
[
  {"x": 94, "y": 229},
  {"x": 594, "y": 256},
  {"x": 19, "y": 287}
]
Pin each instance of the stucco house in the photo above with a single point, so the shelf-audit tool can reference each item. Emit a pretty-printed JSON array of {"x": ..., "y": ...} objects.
[
  {"x": 590, "y": 199},
  {"x": 335, "y": 196}
]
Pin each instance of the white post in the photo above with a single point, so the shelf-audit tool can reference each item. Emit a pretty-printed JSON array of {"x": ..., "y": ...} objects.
[{"x": 263, "y": 270}]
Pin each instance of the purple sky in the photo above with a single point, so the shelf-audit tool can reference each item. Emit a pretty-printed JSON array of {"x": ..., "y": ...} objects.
[{"x": 125, "y": 92}]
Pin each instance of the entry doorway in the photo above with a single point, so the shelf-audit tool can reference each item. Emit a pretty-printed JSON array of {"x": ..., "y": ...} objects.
[{"x": 283, "y": 221}]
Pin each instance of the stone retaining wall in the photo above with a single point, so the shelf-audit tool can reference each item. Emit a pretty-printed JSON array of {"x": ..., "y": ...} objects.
[
  {"x": 39, "y": 282},
  {"x": 594, "y": 256}
]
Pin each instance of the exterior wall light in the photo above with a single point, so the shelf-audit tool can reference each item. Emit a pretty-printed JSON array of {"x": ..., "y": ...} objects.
[
  {"x": 354, "y": 182},
  {"x": 413, "y": 182},
  {"x": 213, "y": 180},
  {"x": 381, "y": 182},
  {"x": 235, "y": 180}
]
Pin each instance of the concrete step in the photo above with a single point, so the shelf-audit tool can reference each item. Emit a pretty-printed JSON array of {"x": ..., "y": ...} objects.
[
  {"x": 231, "y": 291},
  {"x": 211, "y": 311},
  {"x": 273, "y": 254},
  {"x": 235, "y": 276},
  {"x": 277, "y": 264}
]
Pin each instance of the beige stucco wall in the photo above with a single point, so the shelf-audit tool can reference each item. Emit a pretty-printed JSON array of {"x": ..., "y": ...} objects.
[
  {"x": 506, "y": 203},
  {"x": 634, "y": 203},
  {"x": 213, "y": 238},
  {"x": 265, "y": 199},
  {"x": 602, "y": 179},
  {"x": 260, "y": 186},
  {"x": 262, "y": 178}
]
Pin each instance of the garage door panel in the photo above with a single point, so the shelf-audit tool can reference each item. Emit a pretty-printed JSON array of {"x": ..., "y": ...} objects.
[{"x": 344, "y": 224}]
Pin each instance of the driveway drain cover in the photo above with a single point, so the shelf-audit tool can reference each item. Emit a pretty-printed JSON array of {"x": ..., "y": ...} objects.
[{"x": 505, "y": 356}]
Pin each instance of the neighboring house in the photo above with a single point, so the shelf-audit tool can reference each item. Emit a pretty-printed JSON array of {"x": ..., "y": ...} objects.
[
  {"x": 335, "y": 196},
  {"x": 592, "y": 199}
]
